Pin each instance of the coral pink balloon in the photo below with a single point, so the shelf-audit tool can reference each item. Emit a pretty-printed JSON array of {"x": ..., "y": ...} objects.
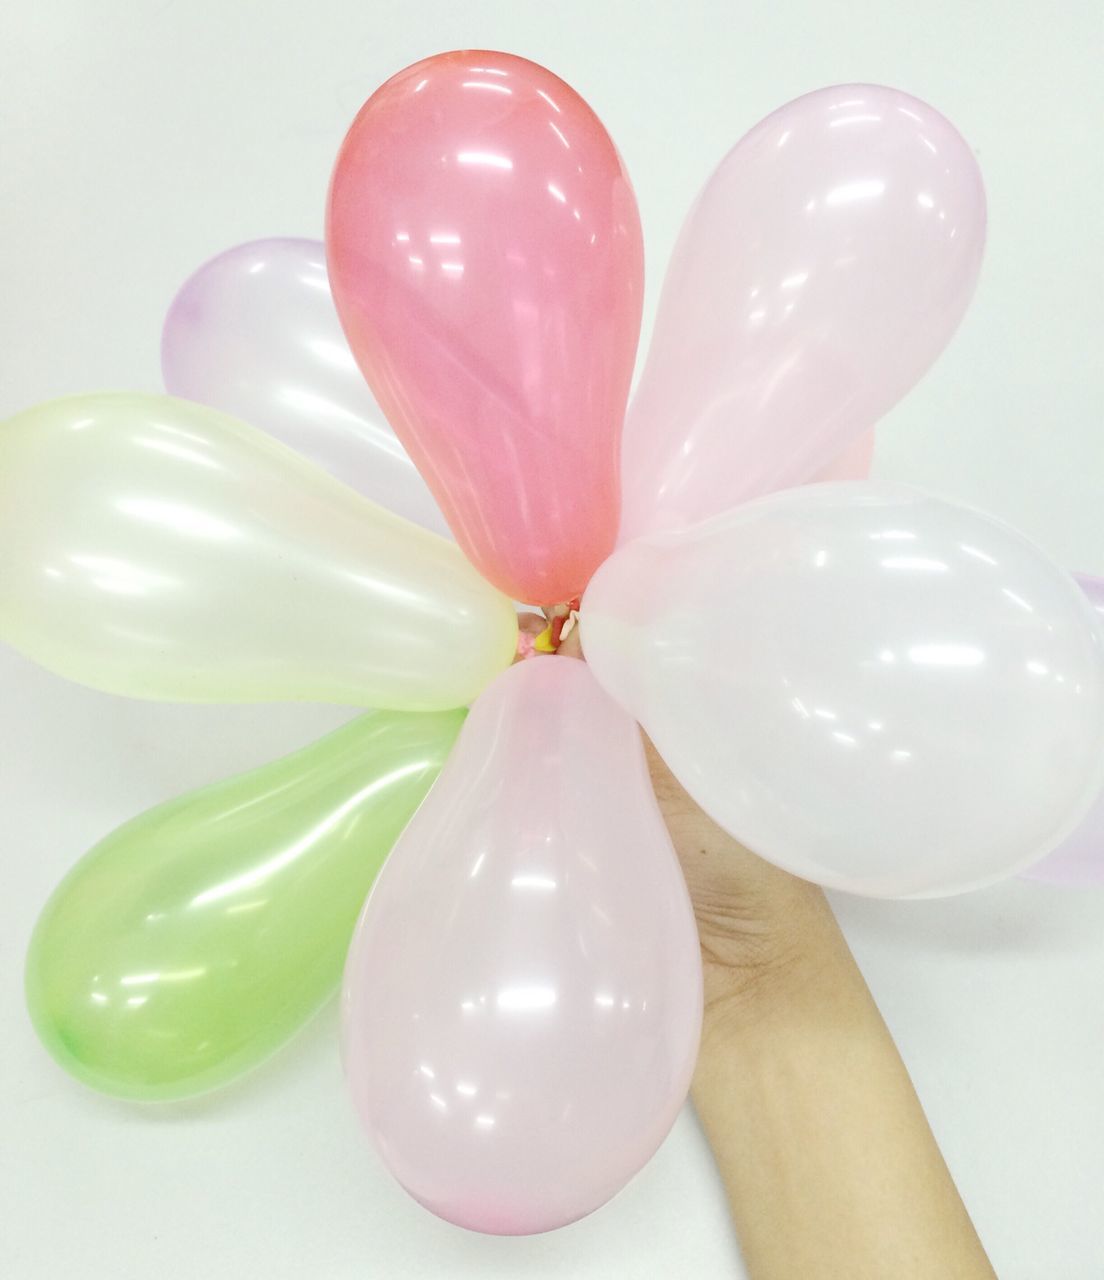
[
  {"x": 1078, "y": 862},
  {"x": 820, "y": 272},
  {"x": 523, "y": 995},
  {"x": 485, "y": 255}
]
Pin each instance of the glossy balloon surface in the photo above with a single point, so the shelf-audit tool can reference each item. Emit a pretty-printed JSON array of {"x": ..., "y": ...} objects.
[
  {"x": 1079, "y": 859},
  {"x": 537, "y": 1031},
  {"x": 875, "y": 689},
  {"x": 254, "y": 332},
  {"x": 193, "y": 941},
  {"x": 819, "y": 273},
  {"x": 486, "y": 259},
  {"x": 153, "y": 547}
]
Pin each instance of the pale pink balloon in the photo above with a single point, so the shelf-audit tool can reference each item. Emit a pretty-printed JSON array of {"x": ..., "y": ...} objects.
[
  {"x": 852, "y": 464},
  {"x": 485, "y": 255},
  {"x": 523, "y": 996},
  {"x": 1079, "y": 860},
  {"x": 820, "y": 272}
]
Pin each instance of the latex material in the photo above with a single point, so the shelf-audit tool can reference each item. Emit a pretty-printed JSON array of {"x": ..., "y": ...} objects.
[
  {"x": 155, "y": 548},
  {"x": 254, "y": 332},
  {"x": 538, "y": 1027},
  {"x": 875, "y": 689},
  {"x": 1079, "y": 860},
  {"x": 820, "y": 272},
  {"x": 853, "y": 464},
  {"x": 486, "y": 259},
  {"x": 194, "y": 940}
]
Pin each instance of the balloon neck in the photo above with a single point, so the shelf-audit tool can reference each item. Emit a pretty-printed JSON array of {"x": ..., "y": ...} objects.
[{"x": 560, "y": 621}]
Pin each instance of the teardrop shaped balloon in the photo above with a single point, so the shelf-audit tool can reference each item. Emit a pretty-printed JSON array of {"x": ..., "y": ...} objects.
[
  {"x": 190, "y": 943},
  {"x": 1078, "y": 862},
  {"x": 822, "y": 269},
  {"x": 872, "y": 688},
  {"x": 153, "y": 547},
  {"x": 538, "y": 1028},
  {"x": 486, "y": 260},
  {"x": 254, "y": 333}
]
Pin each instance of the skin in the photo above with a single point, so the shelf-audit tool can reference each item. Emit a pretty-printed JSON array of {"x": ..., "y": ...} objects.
[{"x": 831, "y": 1169}]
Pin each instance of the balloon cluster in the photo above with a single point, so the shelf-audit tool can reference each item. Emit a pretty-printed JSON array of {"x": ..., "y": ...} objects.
[{"x": 876, "y": 689}]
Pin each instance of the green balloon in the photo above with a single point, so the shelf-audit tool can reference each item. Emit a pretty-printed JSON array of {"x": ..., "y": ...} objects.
[{"x": 197, "y": 938}]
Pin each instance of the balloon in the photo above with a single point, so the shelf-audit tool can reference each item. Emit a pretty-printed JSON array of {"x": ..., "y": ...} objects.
[
  {"x": 196, "y": 939},
  {"x": 853, "y": 464},
  {"x": 822, "y": 269},
  {"x": 1079, "y": 860},
  {"x": 254, "y": 333},
  {"x": 486, "y": 260},
  {"x": 537, "y": 1031},
  {"x": 872, "y": 688},
  {"x": 155, "y": 548},
  {"x": 1094, "y": 589}
]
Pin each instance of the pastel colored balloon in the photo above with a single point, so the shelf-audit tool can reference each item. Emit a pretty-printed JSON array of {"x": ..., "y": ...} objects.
[
  {"x": 872, "y": 688},
  {"x": 819, "y": 273},
  {"x": 1079, "y": 859},
  {"x": 254, "y": 332},
  {"x": 153, "y": 547},
  {"x": 486, "y": 259},
  {"x": 536, "y": 1033},
  {"x": 196, "y": 939},
  {"x": 853, "y": 463}
]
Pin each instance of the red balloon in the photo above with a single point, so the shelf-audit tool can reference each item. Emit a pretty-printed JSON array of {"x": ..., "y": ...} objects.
[{"x": 485, "y": 253}]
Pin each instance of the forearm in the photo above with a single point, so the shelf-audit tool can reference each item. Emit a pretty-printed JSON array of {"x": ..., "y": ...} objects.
[{"x": 830, "y": 1166}]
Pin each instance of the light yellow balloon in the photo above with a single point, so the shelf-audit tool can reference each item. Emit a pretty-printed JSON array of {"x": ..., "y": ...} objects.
[{"x": 156, "y": 548}]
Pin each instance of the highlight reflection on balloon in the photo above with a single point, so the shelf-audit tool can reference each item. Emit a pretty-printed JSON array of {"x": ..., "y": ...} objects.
[
  {"x": 155, "y": 548},
  {"x": 254, "y": 333},
  {"x": 874, "y": 689},
  {"x": 820, "y": 272},
  {"x": 198, "y": 937},
  {"x": 486, "y": 260},
  {"x": 535, "y": 1033}
]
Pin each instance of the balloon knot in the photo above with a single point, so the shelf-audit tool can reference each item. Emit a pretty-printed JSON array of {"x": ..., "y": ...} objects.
[{"x": 560, "y": 622}]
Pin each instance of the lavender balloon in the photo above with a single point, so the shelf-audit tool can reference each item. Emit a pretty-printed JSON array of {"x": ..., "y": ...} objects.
[
  {"x": 255, "y": 333},
  {"x": 1079, "y": 860},
  {"x": 523, "y": 995}
]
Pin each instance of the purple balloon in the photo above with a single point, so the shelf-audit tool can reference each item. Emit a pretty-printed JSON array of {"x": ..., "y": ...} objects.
[
  {"x": 254, "y": 332},
  {"x": 1079, "y": 860}
]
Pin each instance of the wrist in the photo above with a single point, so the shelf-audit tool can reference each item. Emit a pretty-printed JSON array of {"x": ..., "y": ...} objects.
[{"x": 777, "y": 962}]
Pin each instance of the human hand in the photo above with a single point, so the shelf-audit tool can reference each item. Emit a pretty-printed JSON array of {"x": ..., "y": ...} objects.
[{"x": 759, "y": 926}]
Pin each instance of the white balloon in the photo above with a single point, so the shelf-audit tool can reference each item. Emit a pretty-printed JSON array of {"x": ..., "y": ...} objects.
[{"x": 875, "y": 689}]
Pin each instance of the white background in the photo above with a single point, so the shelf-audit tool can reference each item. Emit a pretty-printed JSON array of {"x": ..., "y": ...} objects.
[{"x": 138, "y": 138}]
